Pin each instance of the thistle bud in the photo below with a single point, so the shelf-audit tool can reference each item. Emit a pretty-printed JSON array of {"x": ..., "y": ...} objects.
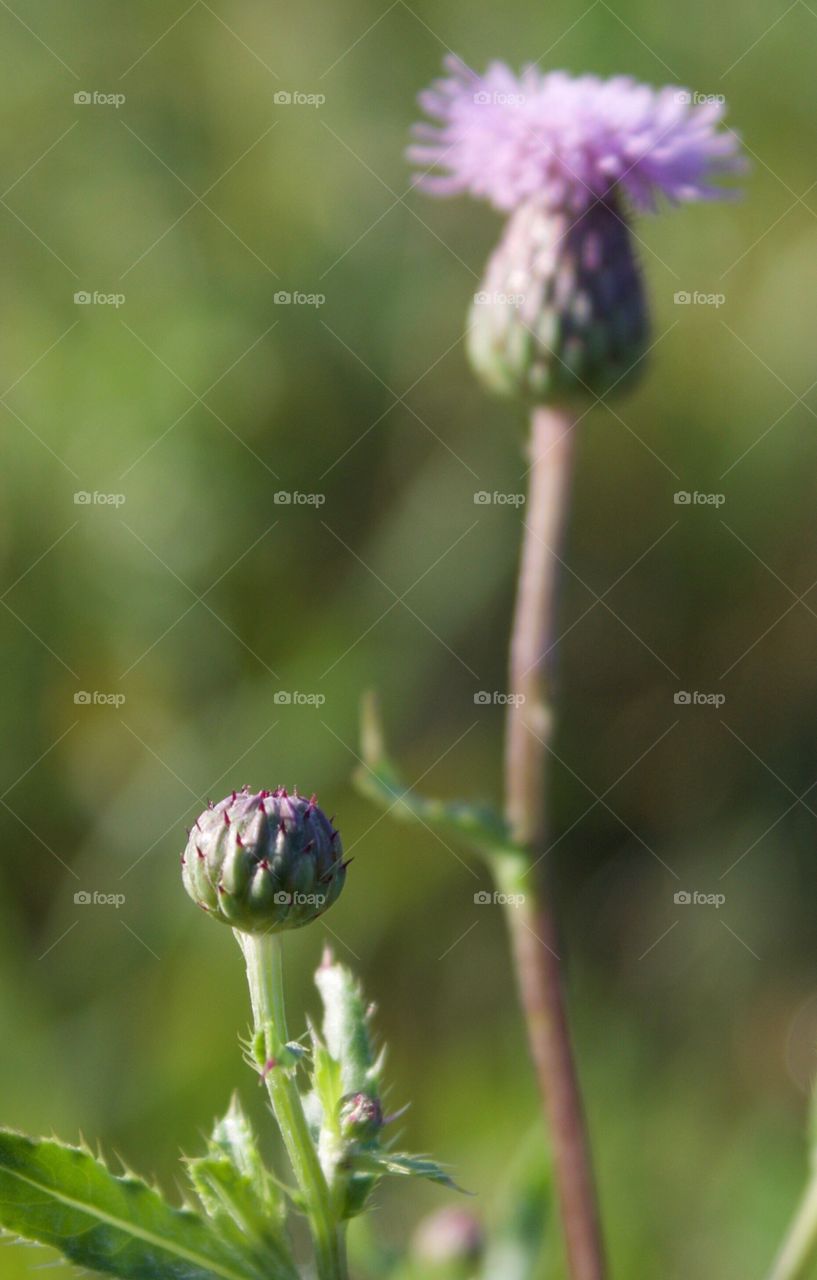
[
  {"x": 561, "y": 313},
  {"x": 264, "y": 862},
  {"x": 360, "y": 1117},
  {"x": 448, "y": 1242}
]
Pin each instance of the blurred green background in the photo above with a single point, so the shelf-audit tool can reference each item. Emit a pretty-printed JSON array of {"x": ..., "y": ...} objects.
[{"x": 199, "y": 598}]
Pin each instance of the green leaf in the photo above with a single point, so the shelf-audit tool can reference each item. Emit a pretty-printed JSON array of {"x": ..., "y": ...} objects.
[
  {"x": 407, "y": 1166},
  {"x": 61, "y": 1196},
  {"x": 346, "y": 1034},
  {"x": 380, "y": 781},
  {"x": 233, "y": 1137},
  {"x": 240, "y": 1195}
]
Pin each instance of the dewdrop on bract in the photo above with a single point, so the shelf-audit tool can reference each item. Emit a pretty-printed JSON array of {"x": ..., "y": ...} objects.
[{"x": 264, "y": 861}]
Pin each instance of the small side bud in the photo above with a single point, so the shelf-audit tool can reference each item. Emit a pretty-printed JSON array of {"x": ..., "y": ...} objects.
[{"x": 361, "y": 1117}]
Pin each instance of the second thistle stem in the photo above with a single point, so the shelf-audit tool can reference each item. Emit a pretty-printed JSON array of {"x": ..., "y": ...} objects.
[
  {"x": 262, "y": 953},
  {"x": 532, "y": 926}
]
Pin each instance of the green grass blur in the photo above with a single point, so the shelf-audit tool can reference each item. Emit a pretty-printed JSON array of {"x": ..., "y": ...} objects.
[{"x": 199, "y": 198}]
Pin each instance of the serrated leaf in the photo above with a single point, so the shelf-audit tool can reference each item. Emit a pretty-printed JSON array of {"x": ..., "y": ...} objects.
[
  {"x": 406, "y": 1166},
  {"x": 380, "y": 781},
  {"x": 234, "y": 1138},
  {"x": 239, "y": 1194},
  {"x": 326, "y": 1079},
  {"x": 61, "y": 1196},
  {"x": 231, "y": 1201},
  {"x": 346, "y": 1027}
]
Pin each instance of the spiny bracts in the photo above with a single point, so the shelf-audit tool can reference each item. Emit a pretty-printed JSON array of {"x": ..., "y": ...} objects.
[{"x": 264, "y": 861}]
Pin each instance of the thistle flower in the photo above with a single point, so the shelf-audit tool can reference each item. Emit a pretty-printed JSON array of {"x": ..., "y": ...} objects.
[
  {"x": 262, "y": 862},
  {"x": 562, "y": 310}
]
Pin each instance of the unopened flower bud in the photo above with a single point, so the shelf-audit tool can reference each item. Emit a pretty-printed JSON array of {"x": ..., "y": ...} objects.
[
  {"x": 262, "y": 862},
  {"x": 449, "y": 1237},
  {"x": 361, "y": 1117},
  {"x": 561, "y": 313}
]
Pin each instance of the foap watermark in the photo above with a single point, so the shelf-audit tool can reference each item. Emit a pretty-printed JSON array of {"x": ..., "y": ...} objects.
[
  {"x": 497, "y": 98},
  {"x": 95, "y": 98},
  {"x": 83, "y": 898},
  {"x": 483, "y": 498},
  {"x": 685, "y": 498},
  {"x": 98, "y": 698},
  {"x": 88, "y": 298},
  {"x": 297, "y": 298},
  {"x": 294, "y": 498},
  {"x": 82, "y": 498},
  {"x": 694, "y": 698},
  {"x": 495, "y": 698},
  {"x": 284, "y": 899},
  {"x": 297, "y": 98},
  {"x": 691, "y": 98},
  {"x": 497, "y": 899},
  {"x": 685, "y": 898},
  {"x": 294, "y": 698},
  {"x": 493, "y": 298},
  {"x": 685, "y": 298}
]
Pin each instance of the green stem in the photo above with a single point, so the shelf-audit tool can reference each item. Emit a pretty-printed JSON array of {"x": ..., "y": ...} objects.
[
  {"x": 262, "y": 954},
  {"x": 532, "y": 927},
  {"x": 801, "y": 1240}
]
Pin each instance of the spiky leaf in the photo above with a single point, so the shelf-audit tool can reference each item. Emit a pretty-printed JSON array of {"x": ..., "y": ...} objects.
[
  {"x": 61, "y": 1196},
  {"x": 380, "y": 780}
]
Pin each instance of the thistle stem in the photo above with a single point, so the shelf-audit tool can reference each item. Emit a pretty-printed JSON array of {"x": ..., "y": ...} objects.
[
  {"x": 262, "y": 953},
  {"x": 801, "y": 1240},
  {"x": 531, "y": 924}
]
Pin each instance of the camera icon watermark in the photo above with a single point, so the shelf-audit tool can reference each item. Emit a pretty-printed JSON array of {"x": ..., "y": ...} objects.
[
  {"x": 283, "y": 899},
  {"x": 82, "y": 498},
  {"x": 497, "y": 98},
  {"x": 297, "y": 298},
  {"x": 694, "y": 498},
  {"x": 87, "y": 298},
  {"x": 685, "y": 698},
  {"x": 691, "y": 98},
  {"x": 93, "y": 98},
  {"x": 685, "y": 298},
  {"x": 683, "y": 898},
  {"x": 83, "y": 898},
  {"x": 484, "y": 498},
  {"x": 294, "y": 498},
  {"x": 296, "y": 98},
  {"x": 496, "y": 698},
  {"x": 484, "y": 898},
  {"x": 494, "y": 298},
  {"x": 294, "y": 698},
  {"x": 82, "y": 698}
]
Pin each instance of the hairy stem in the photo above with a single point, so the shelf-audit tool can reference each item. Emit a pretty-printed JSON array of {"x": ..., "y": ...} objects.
[
  {"x": 531, "y": 923},
  {"x": 262, "y": 954},
  {"x": 801, "y": 1241}
]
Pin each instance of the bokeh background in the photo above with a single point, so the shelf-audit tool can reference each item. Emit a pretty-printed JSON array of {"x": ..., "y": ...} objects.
[{"x": 198, "y": 598}]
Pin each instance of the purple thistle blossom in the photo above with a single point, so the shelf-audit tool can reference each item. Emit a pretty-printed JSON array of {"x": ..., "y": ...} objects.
[{"x": 569, "y": 141}]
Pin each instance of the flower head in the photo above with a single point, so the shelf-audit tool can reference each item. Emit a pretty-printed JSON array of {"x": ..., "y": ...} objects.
[
  {"x": 264, "y": 861},
  {"x": 569, "y": 140}
]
